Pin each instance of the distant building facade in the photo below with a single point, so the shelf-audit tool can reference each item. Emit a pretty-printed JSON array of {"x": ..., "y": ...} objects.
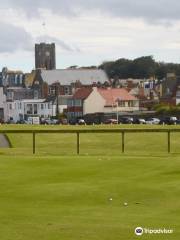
[
  {"x": 45, "y": 56},
  {"x": 171, "y": 89},
  {"x": 11, "y": 78},
  {"x": 22, "y": 109},
  {"x": 63, "y": 81}
]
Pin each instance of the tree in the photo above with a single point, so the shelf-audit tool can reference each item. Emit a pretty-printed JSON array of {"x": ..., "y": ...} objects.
[{"x": 142, "y": 67}]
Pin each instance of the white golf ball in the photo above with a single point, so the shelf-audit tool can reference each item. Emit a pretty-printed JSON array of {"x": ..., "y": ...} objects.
[
  {"x": 110, "y": 199},
  {"x": 125, "y": 204}
]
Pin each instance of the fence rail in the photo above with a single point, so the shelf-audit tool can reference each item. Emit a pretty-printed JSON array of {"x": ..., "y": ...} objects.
[{"x": 80, "y": 131}]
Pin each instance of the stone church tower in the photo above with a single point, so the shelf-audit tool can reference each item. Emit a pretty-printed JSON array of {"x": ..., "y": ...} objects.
[{"x": 45, "y": 56}]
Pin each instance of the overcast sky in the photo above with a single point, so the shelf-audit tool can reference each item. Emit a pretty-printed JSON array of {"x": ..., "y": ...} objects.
[{"x": 88, "y": 32}]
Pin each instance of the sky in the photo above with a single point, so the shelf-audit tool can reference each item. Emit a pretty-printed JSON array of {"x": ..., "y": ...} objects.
[{"x": 88, "y": 32}]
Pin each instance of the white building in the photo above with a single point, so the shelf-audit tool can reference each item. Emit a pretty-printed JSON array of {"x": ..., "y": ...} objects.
[
  {"x": 22, "y": 109},
  {"x": 2, "y": 102},
  {"x": 110, "y": 100}
]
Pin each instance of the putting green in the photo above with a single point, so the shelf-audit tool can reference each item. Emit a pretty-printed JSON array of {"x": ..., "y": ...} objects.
[
  {"x": 101, "y": 194},
  {"x": 52, "y": 198}
]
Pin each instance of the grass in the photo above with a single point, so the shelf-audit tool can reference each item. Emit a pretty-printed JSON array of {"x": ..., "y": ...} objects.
[
  {"x": 66, "y": 198},
  {"x": 91, "y": 144},
  {"x": 57, "y": 195}
]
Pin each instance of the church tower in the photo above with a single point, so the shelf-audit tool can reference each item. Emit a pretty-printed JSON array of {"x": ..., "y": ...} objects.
[{"x": 45, "y": 56}]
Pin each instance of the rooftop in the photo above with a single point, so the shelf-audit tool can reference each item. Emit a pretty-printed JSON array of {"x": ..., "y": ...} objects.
[
  {"x": 112, "y": 95},
  {"x": 82, "y": 93},
  {"x": 68, "y": 76}
]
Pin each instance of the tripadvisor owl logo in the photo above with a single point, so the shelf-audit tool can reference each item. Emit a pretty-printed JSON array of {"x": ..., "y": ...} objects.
[{"x": 139, "y": 231}]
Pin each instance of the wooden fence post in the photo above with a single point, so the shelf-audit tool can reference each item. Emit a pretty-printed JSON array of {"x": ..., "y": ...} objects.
[
  {"x": 169, "y": 141},
  {"x": 77, "y": 142},
  {"x": 123, "y": 133},
  {"x": 34, "y": 142}
]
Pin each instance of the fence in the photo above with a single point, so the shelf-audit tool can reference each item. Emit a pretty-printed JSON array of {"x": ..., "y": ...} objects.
[{"x": 78, "y": 132}]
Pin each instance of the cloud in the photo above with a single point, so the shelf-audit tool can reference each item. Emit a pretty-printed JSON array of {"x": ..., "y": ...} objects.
[
  {"x": 58, "y": 42},
  {"x": 14, "y": 38},
  {"x": 103, "y": 29},
  {"x": 152, "y": 11}
]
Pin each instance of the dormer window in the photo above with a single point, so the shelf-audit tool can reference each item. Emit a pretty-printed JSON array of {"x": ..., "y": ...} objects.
[
  {"x": 10, "y": 95},
  {"x": 36, "y": 82},
  {"x": 36, "y": 94}
]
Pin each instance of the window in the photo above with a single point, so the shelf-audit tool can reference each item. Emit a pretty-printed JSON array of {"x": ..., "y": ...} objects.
[
  {"x": 42, "y": 106},
  {"x": 78, "y": 114},
  {"x": 16, "y": 79},
  {"x": 77, "y": 102},
  {"x": 36, "y": 82},
  {"x": 130, "y": 104},
  {"x": 121, "y": 103},
  {"x": 52, "y": 91},
  {"x": 35, "y": 108},
  {"x": 66, "y": 90},
  {"x": 20, "y": 79},
  {"x": 71, "y": 103},
  {"x": 29, "y": 109},
  {"x": 10, "y": 106},
  {"x": 36, "y": 94},
  {"x": 71, "y": 114},
  {"x": 10, "y": 95},
  {"x": 178, "y": 93}
]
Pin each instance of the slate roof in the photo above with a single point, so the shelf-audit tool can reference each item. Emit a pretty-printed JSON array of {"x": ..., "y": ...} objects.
[
  {"x": 68, "y": 76},
  {"x": 20, "y": 93}
]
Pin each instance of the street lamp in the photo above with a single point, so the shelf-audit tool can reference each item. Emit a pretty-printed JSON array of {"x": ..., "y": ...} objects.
[
  {"x": 57, "y": 100},
  {"x": 117, "y": 104}
]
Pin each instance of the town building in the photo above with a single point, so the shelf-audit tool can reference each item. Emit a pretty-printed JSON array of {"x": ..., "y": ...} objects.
[
  {"x": 170, "y": 89},
  {"x": 101, "y": 100},
  {"x": 42, "y": 86},
  {"x": 63, "y": 81},
  {"x": 148, "y": 91},
  {"x": 11, "y": 78},
  {"x": 45, "y": 56},
  {"x": 20, "y": 104},
  {"x": 22, "y": 109}
]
